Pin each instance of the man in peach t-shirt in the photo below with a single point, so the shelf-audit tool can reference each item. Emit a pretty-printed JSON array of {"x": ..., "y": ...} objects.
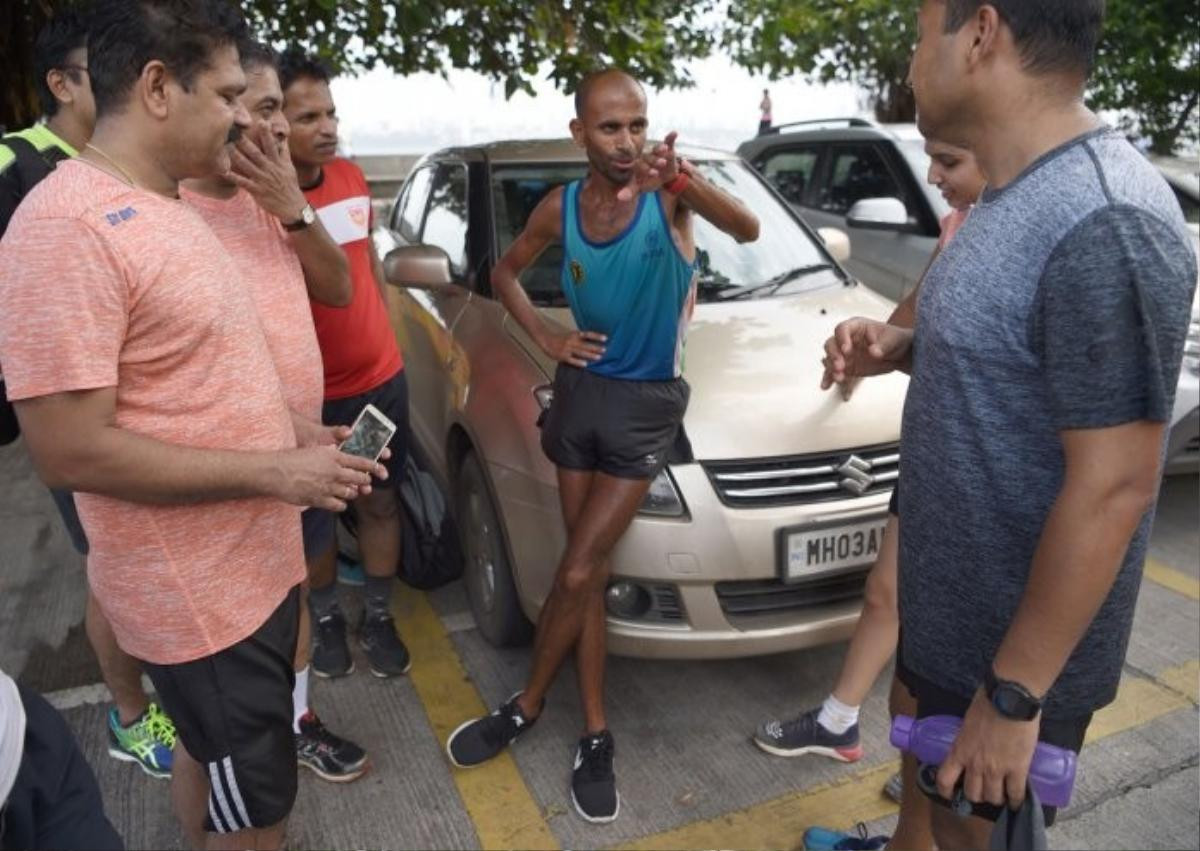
[
  {"x": 287, "y": 256},
  {"x": 143, "y": 381}
]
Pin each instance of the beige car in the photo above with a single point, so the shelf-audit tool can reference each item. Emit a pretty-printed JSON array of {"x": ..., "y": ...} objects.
[{"x": 757, "y": 536}]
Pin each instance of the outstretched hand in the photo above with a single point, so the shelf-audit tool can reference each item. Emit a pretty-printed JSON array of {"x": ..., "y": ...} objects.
[
  {"x": 860, "y": 347},
  {"x": 653, "y": 170}
]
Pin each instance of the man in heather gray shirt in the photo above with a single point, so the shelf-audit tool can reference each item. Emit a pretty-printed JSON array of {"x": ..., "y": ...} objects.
[{"x": 1044, "y": 363}]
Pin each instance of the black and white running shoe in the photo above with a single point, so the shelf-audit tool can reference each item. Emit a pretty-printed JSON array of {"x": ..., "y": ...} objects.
[
  {"x": 593, "y": 783},
  {"x": 327, "y": 754},
  {"x": 804, "y": 735},
  {"x": 479, "y": 740}
]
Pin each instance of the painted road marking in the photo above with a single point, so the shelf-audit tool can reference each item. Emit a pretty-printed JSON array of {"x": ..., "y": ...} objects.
[
  {"x": 1169, "y": 577},
  {"x": 495, "y": 796},
  {"x": 780, "y": 823}
]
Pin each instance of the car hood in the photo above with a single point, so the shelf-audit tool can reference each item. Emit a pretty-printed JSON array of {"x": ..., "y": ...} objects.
[{"x": 755, "y": 371}]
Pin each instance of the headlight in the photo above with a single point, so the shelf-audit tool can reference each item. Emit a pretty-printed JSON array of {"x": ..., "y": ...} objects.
[{"x": 663, "y": 500}]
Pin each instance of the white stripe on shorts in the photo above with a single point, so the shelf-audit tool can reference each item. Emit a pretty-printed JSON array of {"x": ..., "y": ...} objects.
[
  {"x": 215, "y": 816},
  {"x": 217, "y": 790},
  {"x": 235, "y": 791}
]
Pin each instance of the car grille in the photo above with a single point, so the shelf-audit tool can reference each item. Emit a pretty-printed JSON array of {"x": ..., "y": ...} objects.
[
  {"x": 771, "y": 596},
  {"x": 803, "y": 479}
]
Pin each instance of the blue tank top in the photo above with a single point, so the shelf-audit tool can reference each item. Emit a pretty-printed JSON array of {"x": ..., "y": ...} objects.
[{"x": 636, "y": 288}]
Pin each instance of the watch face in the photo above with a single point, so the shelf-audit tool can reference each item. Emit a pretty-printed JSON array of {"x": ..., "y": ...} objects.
[
  {"x": 307, "y": 215},
  {"x": 1011, "y": 703}
]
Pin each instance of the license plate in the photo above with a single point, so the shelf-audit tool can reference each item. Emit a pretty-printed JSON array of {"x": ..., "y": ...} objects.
[{"x": 812, "y": 551}]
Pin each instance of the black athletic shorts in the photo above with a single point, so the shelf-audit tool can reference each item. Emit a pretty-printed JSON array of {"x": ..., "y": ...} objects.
[
  {"x": 622, "y": 428},
  {"x": 894, "y": 502},
  {"x": 65, "y": 502},
  {"x": 932, "y": 699},
  {"x": 319, "y": 530},
  {"x": 391, "y": 398},
  {"x": 233, "y": 713}
]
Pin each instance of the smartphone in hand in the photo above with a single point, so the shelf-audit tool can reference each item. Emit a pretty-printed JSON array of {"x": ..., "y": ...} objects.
[{"x": 369, "y": 435}]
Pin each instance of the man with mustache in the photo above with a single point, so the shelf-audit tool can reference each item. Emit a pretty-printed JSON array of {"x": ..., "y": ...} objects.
[
  {"x": 619, "y": 398},
  {"x": 257, "y": 211},
  {"x": 363, "y": 366},
  {"x": 144, "y": 383}
]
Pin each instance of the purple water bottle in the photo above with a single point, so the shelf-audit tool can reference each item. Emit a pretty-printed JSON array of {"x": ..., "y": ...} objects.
[{"x": 1052, "y": 772}]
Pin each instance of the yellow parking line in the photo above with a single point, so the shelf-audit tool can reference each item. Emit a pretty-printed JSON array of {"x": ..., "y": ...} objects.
[
  {"x": 495, "y": 796},
  {"x": 780, "y": 823},
  {"x": 1169, "y": 577},
  {"x": 1185, "y": 680}
]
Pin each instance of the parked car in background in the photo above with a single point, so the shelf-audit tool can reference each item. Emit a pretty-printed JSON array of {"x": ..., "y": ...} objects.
[
  {"x": 868, "y": 179},
  {"x": 757, "y": 536}
]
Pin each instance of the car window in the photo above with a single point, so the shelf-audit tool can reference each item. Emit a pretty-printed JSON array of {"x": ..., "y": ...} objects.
[
  {"x": 446, "y": 221},
  {"x": 723, "y": 264},
  {"x": 857, "y": 172},
  {"x": 791, "y": 171},
  {"x": 408, "y": 223}
]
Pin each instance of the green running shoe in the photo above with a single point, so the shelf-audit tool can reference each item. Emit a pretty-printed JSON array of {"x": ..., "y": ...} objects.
[{"x": 147, "y": 741}]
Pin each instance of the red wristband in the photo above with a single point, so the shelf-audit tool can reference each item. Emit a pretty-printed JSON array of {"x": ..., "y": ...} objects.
[{"x": 679, "y": 184}]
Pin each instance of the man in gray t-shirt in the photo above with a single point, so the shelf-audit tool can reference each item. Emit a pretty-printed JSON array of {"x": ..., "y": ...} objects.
[{"x": 1044, "y": 362}]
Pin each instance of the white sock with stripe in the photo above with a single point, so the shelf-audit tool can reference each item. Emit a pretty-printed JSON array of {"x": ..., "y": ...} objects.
[
  {"x": 299, "y": 698},
  {"x": 837, "y": 717}
]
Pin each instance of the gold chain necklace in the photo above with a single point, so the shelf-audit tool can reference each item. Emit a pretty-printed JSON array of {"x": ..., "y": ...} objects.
[{"x": 124, "y": 174}]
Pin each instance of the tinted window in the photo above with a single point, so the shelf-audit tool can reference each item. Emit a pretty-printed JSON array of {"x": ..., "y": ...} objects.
[
  {"x": 724, "y": 265},
  {"x": 855, "y": 173},
  {"x": 446, "y": 221},
  {"x": 413, "y": 205},
  {"x": 791, "y": 172}
]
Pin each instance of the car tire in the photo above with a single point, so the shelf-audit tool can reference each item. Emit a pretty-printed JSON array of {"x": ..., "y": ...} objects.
[{"x": 487, "y": 572}]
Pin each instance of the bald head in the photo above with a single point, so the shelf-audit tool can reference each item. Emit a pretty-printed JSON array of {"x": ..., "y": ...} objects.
[{"x": 607, "y": 82}]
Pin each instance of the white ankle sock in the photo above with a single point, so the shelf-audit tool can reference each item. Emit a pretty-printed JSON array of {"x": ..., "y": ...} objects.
[
  {"x": 299, "y": 698},
  {"x": 837, "y": 717}
]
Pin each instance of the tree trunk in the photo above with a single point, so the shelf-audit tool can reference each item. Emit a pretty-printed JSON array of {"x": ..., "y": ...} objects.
[{"x": 894, "y": 103}]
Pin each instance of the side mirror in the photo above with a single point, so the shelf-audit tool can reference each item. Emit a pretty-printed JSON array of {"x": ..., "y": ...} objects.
[
  {"x": 421, "y": 267},
  {"x": 879, "y": 214},
  {"x": 837, "y": 242}
]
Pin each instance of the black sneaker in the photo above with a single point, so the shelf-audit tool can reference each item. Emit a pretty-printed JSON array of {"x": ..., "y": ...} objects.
[
  {"x": 593, "y": 783},
  {"x": 386, "y": 653},
  {"x": 330, "y": 756},
  {"x": 804, "y": 735},
  {"x": 330, "y": 653},
  {"x": 479, "y": 740}
]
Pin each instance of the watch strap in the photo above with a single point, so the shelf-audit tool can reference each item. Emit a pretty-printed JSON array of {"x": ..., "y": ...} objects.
[{"x": 1011, "y": 699}]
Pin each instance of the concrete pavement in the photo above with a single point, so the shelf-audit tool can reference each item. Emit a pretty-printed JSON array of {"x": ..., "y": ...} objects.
[{"x": 688, "y": 775}]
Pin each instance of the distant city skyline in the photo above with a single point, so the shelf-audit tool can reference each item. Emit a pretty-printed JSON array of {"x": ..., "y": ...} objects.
[{"x": 720, "y": 111}]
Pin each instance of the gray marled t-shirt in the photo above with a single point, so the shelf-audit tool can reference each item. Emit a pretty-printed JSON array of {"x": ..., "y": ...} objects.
[{"x": 1062, "y": 303}]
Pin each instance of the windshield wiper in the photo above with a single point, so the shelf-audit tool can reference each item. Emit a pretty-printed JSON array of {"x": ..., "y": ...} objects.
[{"x": 777, "y": 282}]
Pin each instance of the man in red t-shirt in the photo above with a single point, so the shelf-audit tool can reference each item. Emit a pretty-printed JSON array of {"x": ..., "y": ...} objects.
[{"x": 362, "y": 366}]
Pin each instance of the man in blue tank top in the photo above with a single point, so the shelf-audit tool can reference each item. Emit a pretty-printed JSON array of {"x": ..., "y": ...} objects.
[{"x": 628, "y": 274}]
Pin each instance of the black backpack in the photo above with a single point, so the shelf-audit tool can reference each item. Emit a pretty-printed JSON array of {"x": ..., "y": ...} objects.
[
  {"x": 31, "y": 167},
  {"x": 430, "y": 551}
]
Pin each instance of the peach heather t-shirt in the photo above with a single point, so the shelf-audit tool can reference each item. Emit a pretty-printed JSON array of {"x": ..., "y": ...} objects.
[
  {"x": 104, "y": 285},
  {"x": 260, "y": 248}
]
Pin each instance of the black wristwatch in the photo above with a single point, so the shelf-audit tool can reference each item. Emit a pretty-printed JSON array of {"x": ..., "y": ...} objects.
[{"x": 1012, "y": 700}]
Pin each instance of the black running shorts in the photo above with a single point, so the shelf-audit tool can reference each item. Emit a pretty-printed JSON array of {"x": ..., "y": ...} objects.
[
  {"x": 233, "y": 714},
  {"x": 618, "y": 427},
  {"x": 932, "y": 699}
]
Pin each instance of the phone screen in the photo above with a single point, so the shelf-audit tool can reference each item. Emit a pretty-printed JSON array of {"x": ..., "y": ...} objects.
[{"x": 371, "y": 433}]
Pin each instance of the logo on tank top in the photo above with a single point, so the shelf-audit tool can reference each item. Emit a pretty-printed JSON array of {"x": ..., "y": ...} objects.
[
  {"x": 577, "y": 273},
  {"x": 652, "y": 246}
]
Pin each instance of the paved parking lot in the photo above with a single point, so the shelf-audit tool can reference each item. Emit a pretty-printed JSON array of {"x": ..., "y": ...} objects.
[{"x": 688, "y": 775}]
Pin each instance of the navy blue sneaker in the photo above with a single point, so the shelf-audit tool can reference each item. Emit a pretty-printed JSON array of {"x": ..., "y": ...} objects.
[
  {"x": 824, "y": 839},
  {"x": 803, "y": 735}
]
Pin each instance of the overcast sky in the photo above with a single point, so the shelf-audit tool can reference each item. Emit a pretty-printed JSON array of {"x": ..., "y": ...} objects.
[{"x": 384, "y": 114}]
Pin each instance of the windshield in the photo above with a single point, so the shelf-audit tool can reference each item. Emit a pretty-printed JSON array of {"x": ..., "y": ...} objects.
[
  {"x": 914, "y": 151},
  {"x": 724, "y": 266}
]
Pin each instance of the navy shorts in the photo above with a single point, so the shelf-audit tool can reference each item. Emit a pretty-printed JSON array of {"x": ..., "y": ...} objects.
[
  {"x": 932, "y": 699},
  {"x": 622, "y": 428},
  {"x": 233, "y": 714},
  {"x": 319, "y": 529}
]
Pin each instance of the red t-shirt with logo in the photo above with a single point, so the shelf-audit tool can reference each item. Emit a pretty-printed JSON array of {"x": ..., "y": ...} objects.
[{"x": 357, "y": 343}]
